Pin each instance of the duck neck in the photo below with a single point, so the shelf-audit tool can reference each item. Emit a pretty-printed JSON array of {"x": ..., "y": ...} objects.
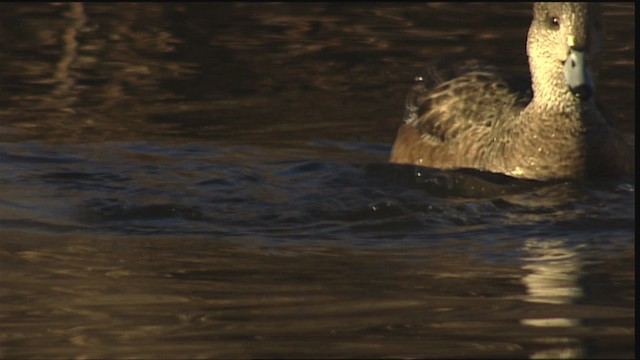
[
  {"x": 549, "y": 137},
  {"x": 552, "y": 96}
]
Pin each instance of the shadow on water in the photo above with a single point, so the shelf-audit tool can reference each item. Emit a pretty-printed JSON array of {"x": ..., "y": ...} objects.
[
  {"x": 240, "y": 191},
  {"x": 465, "y": 183}
]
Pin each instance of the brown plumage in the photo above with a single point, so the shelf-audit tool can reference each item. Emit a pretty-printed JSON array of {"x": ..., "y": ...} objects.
[{"x": 480, "y": 118}]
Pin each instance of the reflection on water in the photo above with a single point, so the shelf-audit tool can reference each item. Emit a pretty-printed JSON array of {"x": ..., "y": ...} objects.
[
  {"x": 62, "y": 74},
  {"x": 161, "y": 296},
  {"x": 555, "y": 270},
  {"x": 553, "y": 278},
  {"x": 211, "y": 181}
]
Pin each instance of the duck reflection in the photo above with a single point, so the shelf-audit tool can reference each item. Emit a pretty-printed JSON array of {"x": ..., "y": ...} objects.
[{"x": 554, "y": 270}]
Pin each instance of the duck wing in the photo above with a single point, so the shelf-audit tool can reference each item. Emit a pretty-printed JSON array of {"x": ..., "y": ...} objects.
[{"x": 448, "y": 101}]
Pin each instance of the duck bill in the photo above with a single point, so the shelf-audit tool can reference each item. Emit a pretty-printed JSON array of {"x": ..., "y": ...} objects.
[{"x": 577, "y": 75}]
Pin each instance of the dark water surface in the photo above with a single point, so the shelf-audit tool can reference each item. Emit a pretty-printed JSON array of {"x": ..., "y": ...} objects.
[{"x": 211, "y": 181}]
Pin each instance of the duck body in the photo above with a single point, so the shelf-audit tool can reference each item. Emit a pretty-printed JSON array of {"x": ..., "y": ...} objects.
[{"x": 547, "y": 127}]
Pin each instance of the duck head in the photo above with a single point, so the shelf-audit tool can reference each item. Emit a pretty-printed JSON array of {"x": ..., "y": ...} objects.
[{"x": 565, "y": 46}]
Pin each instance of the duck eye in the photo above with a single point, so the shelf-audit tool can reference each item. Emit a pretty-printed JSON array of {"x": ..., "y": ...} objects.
[{"x": 554, "y": 22}]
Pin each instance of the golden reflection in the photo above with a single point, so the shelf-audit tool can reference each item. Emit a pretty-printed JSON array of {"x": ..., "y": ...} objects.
[
  {"x": 554, "y": 270},
  {"x": 69, "y": 55}
]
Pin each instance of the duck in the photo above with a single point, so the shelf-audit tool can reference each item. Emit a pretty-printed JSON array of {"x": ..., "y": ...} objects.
[{"x": 544, "y": 126}]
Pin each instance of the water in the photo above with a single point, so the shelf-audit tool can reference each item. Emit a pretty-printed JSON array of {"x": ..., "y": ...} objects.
[{"x": 211, "y": 181}]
